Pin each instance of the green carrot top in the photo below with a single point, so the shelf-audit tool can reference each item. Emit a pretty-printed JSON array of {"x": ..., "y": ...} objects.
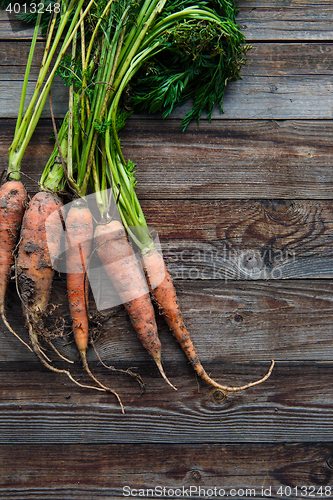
[{"x": 148, "y": 55}]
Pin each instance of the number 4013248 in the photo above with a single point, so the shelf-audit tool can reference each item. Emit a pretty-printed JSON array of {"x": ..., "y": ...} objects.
[{"x": 31, "y": 8}]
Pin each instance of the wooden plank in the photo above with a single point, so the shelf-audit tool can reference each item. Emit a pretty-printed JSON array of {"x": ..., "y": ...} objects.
[
  {"x": 234, "y": 159},
  {"x": 228, "y": 321},
  {"x": 297, "y": 21},
  {"x": 244, "y": 240},
  {"x": 83, "y": 472},
  {"x": 264, "y": 59},
  {"x": 292, "y": 82},
  {"x": 259, "y": 20},
  {"x": 280, "y": 98},
  {"x": 293, "y": 405},
  {"x": 11, "y": 94},
  {"x": 289, "y": 59},
  {"x": 12, "y": 28},
  {"x": 281, "y": 81},
  {"x": 281, "y": 4}
]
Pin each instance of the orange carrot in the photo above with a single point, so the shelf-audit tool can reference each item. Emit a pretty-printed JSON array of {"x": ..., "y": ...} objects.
[
  {"x": 34, "y": 271},
  {"x": 13, "y": 198},
  {"x": 123, "y": 269},
  {"x": 164, "y": 293},
  {"x": 79, "y": 233},
  {"x": 34, "y": 268}
]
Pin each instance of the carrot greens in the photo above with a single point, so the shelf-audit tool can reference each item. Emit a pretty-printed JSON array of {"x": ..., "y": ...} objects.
[
  {"x": 62, "y": 35},
  {"x": 150, "y": 56}
]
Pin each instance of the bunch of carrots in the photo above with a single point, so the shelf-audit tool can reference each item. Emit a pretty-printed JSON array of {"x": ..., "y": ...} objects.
[{"x": 124, "y": 56}]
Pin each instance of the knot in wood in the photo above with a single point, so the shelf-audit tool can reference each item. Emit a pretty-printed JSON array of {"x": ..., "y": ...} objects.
[
  {"x": 218, "y": 396},
  {"x": 196, "y": 475},
  {"x": 238, "y": 318},
  {"x": 251, "y": 259}
]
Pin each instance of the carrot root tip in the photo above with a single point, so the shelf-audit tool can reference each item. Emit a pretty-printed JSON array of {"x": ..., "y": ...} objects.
[
  {"x": 61, "y": 356},
  {"x": 243, "y": 387},
  {"x": 128, "y": 371},
  {"x": 160, "y": 367},
  {"x": 83, "y": 354}
]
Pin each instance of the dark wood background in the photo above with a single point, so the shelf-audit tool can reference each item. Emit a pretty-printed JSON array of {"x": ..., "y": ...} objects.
[{"x": 244, "y": 210}]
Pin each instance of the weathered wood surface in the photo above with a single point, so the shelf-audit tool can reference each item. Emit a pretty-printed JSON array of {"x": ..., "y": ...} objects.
[
  {"x": 234, "y": 322},
  {"x": 294, "y": 405},
  {"x": 281, "y": 81},
  {"x": 232, "y": 239},
  {"x": 259, "y": 20},
  {"x": 264, "y": 59},
  {"x": 251, "y": 98},
  {"x": 86, "y": 472},
  {"x": 243, "y": 207},
  {"x": 237, "y": 159}
]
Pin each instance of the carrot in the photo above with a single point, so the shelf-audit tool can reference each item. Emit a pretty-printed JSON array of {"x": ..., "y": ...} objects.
[
  {"x": 164, "y": 293},
  {"x": 34, "y": 271},
  {"x": 13, "y": 198},
  {"x": 79, "y": 233},
  {"x": 123, "y": 269}
]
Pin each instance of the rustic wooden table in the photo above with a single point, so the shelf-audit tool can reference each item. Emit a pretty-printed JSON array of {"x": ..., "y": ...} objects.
[{"x": 244, "y": 209}]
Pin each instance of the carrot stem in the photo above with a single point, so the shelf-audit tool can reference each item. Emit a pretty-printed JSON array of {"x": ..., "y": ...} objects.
[
  {"x": 33, "y": 112},
  {"x": 27, "y": 73}
]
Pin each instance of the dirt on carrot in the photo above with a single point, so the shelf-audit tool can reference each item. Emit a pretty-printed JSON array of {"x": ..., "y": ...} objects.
[
  {"x": 40, "y": 237},
  {"x": 34, "y": 268}
]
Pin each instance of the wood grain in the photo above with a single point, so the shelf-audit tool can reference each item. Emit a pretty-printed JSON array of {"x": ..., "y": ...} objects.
[
  {"x": 11, "y": 93},
  {"x": 228, "y": 321},
  {"x": 280, "y": 81},
  {"x": 293, "y": 405},
  {"x": 258, "y": 97},
  {"x": 280, "y": 20},
  {"x": 104, "y": 471},
  {"x": 267, "y": 239},
  {"x": 264, "y": 59},
  {"x": 259, "y": 20},
  {"x": 234, "y": 159}
]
